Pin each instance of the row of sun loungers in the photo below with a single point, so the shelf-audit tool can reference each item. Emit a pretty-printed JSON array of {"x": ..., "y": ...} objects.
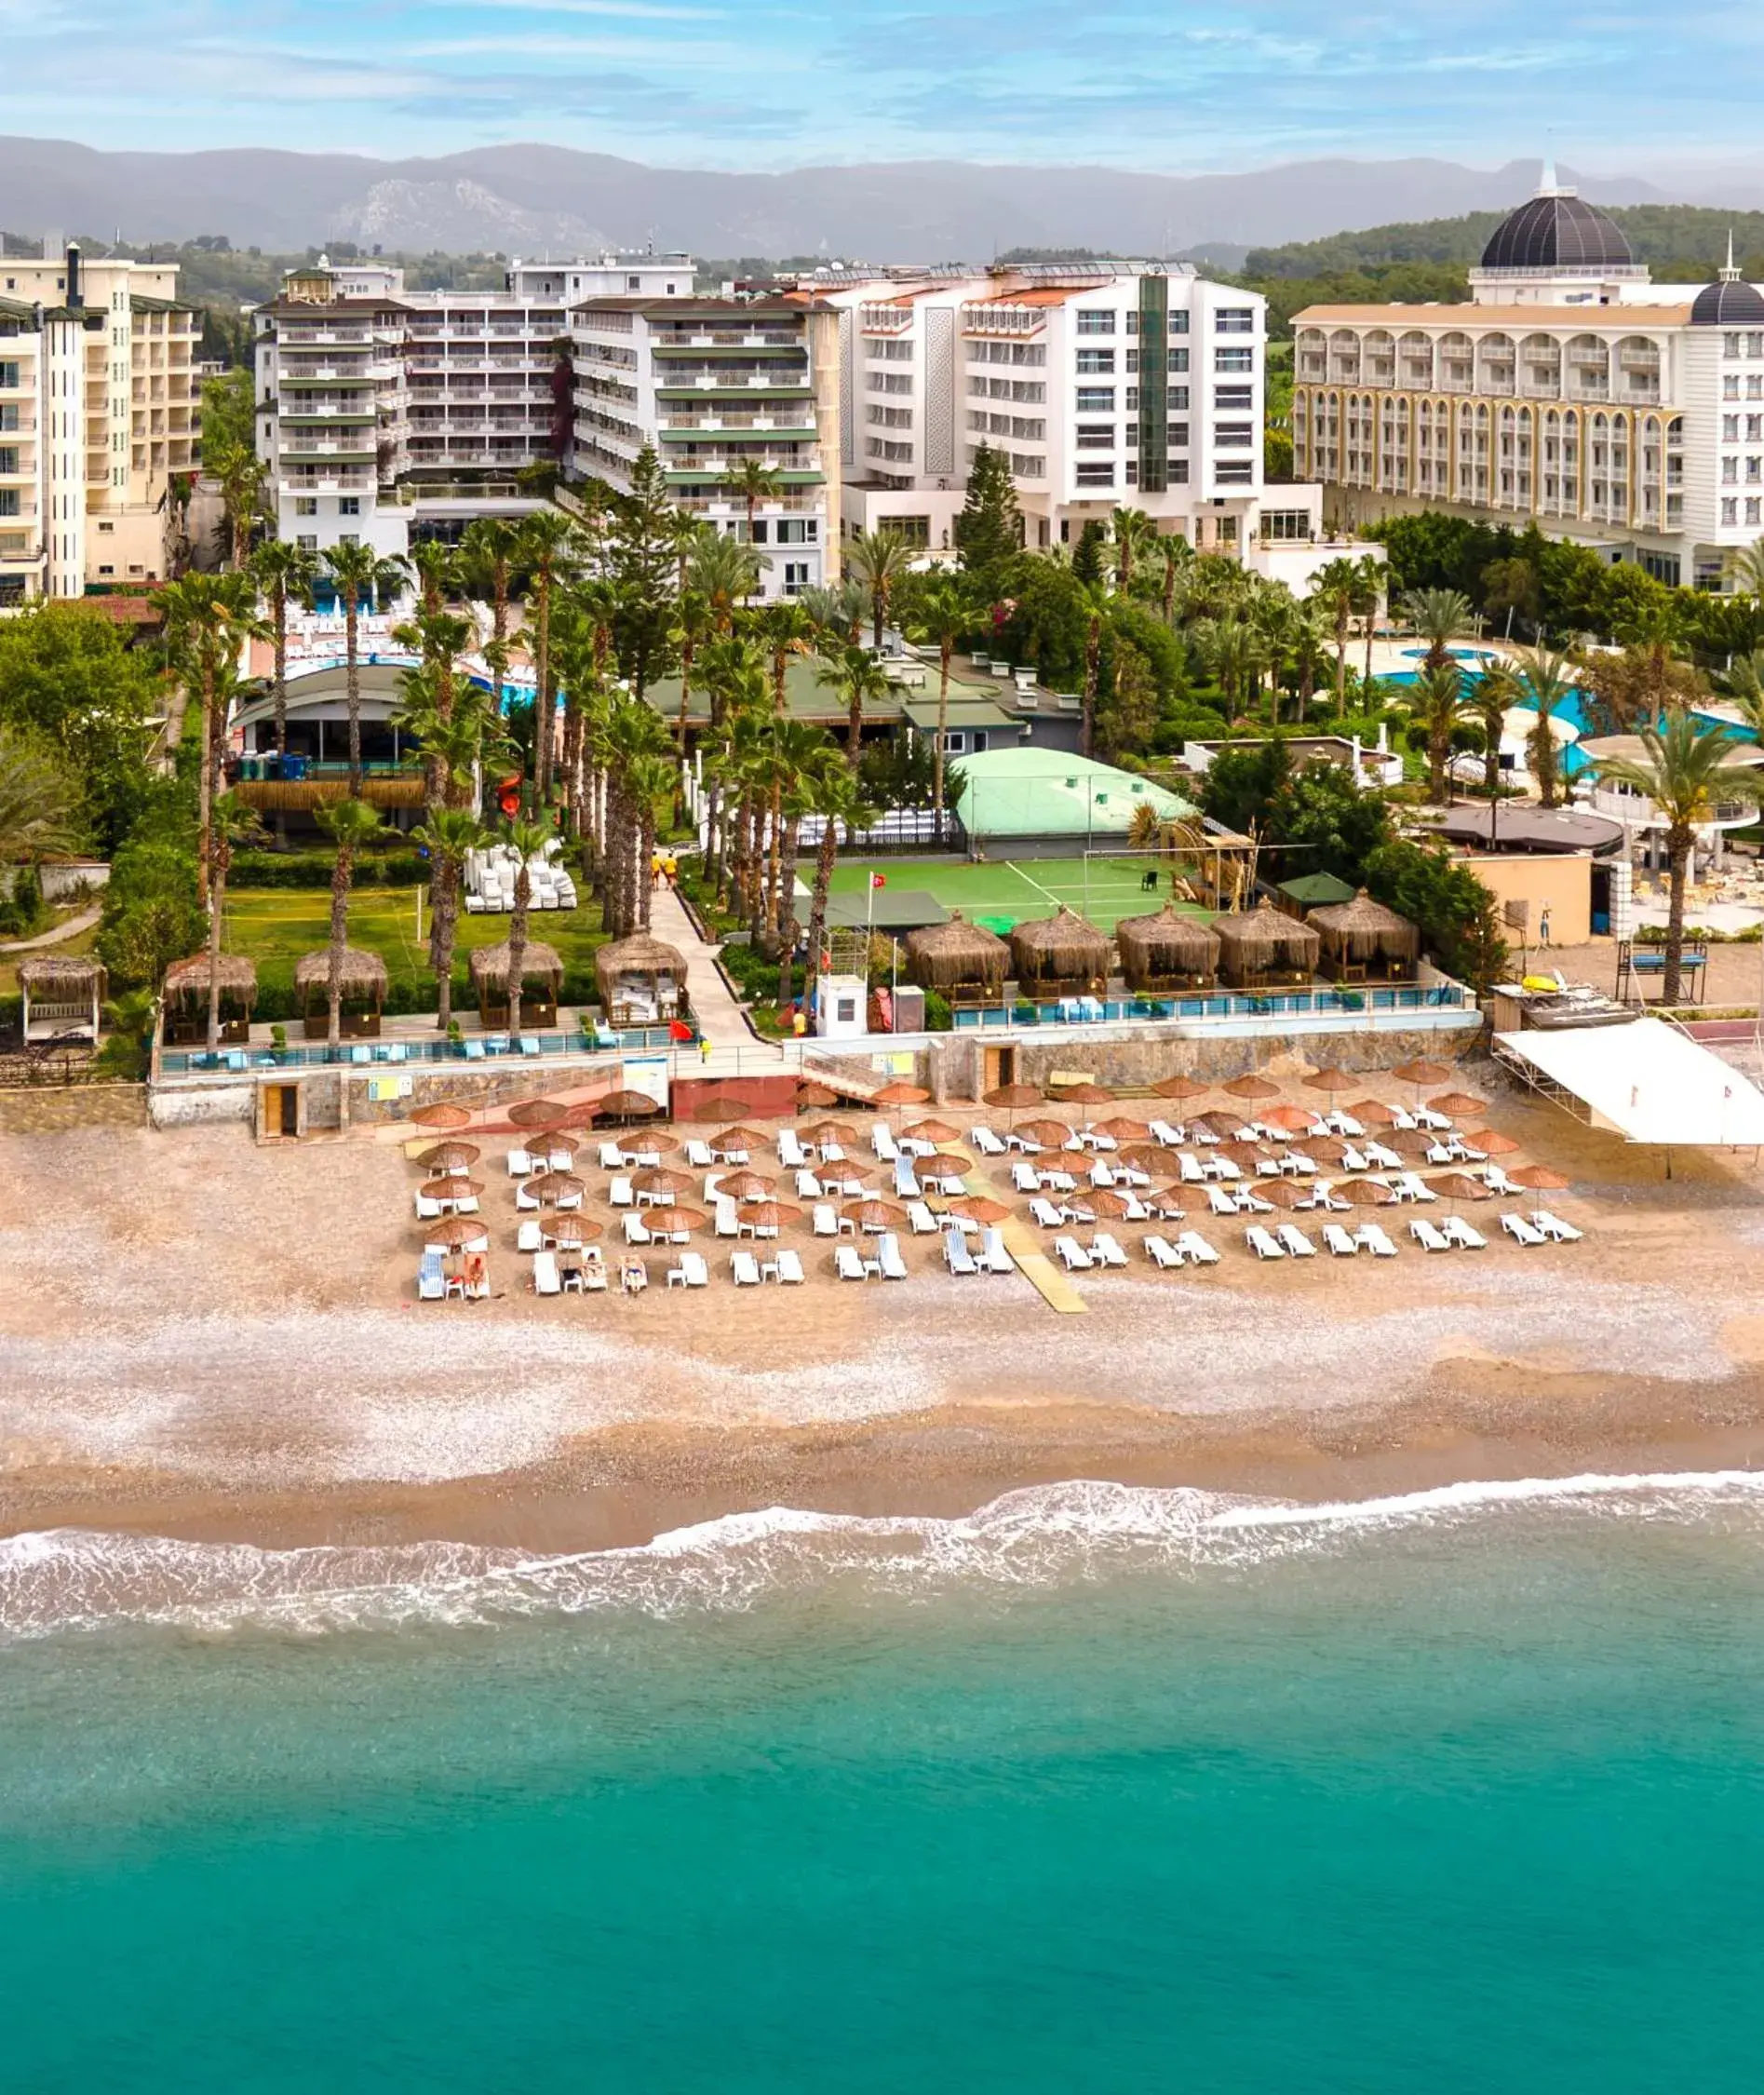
[{"x": 885, "y": 1263}]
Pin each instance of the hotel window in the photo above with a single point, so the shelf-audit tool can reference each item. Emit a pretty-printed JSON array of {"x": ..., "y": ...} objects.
[
  {"x": 1098, "y": 400},
  {"x": 1730, "y": 472},
  {"x": 1731, "y": 386},
  {"x": 1230, "y": 398},
  {"x": 1729, "y": 428},
  {"x": 1752, "y": 509},
  {"x": 1178, "y": 323},
  {"x": 1755, "y": 472},
  {"x": 1091, "y": 322},
  {"x": 1096, "y": 473},
  {"x": 1755, "y": 428},
  {"x": 1755, "y": 345},
  {"x": 796, "y": 577},
  {"x": 1132, "y": 470},
  {"x": 1178, "y": 435},
  {"x": 1729, "y": 509},
  {"x": 10, "y": 376},
  {"x": 1234, "y": 359},
  {"x": 1232, "y": 476},
  {"x": 796, "y": 531},
  {"x": 1096, "y": 436},
  {"x": 307, "y": 542},
  {"x": 1179, "y": 472},
  {"x": 349, "y": 506},
  {"x": 305, "y": 505},
  {"x": 1235, "y": 319},
  {"x": 1177, "y": 402},
  {"x": 1096, "y": 363},
  {"x": 1731, "y": 347},
  {"x": 1234, "y": 436}
]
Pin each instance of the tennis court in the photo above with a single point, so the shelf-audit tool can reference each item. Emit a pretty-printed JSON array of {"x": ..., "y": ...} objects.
[{"x": 1006, "y": 892}]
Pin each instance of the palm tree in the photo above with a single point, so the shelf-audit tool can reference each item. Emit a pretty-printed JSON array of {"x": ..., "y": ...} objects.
[
  {"x": 440, "y": 638},
  {"x": 1374, "y": 576},
  {"x": 360, "y": 576},
  {"x": 1234, "y": 654},
  {"x": 437, "y": 570},
  {"x": 448, "y": 835},
  {"x": 1335, "y": 586},
  {"x": 349, "y": 824},
  {"x": 798, "y": 752},
  {"x": 855, "y": 672},
  {"x": 526, "y": 840},
  {"x": 38, "y": 800},
  {"x": 1097, "y": 603},
  {"x": 1684, "y": 770},
  {"x": 1491, "y": 698},
  {"x": 1746, "y": 569},
  {"x": 1438, "y": 708},
  {"x": 1134, "y": 533},
  {"x": 724, "y": 574},
  {"x": 836, "y": 794},
  {"x": 1544, "y": 681},
  {"x": 1438, "y": 617},
  {"x": 877, "y": 561},
  {"x": 207, "y": 620},
  {"x": 753, "y": 483},
  {"x": 489, "y": 547},
  {"x": 231, "y": 824},
  {"x": 1177, "y": 555},
  {"x": 941, "y": 614},
  {"x": 285, "y": 573},
  {"x": 243, "y": 478},
  {"x": 547, "y": 539}
]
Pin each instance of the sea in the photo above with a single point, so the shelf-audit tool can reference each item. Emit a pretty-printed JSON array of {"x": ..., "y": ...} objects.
[{"x": 1098, "y": 1789}]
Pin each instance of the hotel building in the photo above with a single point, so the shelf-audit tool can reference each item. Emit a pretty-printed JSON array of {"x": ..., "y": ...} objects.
[
  {"x": 1571, "y": 392},
  {"x": 99, "y": 409}
]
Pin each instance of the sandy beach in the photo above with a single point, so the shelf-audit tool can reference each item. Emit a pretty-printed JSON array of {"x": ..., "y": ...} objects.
[{"x": 219, "y": 1342}]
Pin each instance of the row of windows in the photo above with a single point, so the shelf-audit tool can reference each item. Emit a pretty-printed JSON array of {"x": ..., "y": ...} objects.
[
  {"x": 1754, "y": 385},
  {"x": 1100, "y": 400},
  {"x": 1101, "y": 436},
  {"x": 1007, "y": 353},
  {"x": 1730, "y": 471},
  {"x": 1095, "y": 321},
  {"x": 1750, "y": 346},
  {"x": 1731, "y": 509},
  {"x": 890, "y": 350},
  {"x": 1100, "y": 363}
]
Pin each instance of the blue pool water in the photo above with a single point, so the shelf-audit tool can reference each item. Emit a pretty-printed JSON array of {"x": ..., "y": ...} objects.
[{"x": 1103, "y": 1790}]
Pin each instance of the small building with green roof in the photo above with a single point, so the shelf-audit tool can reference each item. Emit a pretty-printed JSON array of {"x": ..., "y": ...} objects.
[{"x": 1035, "y": 796}]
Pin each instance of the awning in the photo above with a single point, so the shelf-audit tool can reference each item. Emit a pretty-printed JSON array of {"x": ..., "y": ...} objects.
[{"x": 1649, "y": 1082}]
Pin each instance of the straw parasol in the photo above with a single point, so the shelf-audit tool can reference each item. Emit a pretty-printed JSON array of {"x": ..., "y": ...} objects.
[
  {"x": 901, "y": 1095},
  {"x": 1202, "y": 1130},
  {"x": 661, "y": 1183},
  {"x": 455, "y": 1233},
  {"x": 441, "y": 1115},
  {"x": 737, "y": 1138},
  {"x": 538, "y": 1112},
  {"x": 1123, "y": 1130},
  {"x": 1106, "y": 1205},
  {"x": 625, "y": 1105},
  {"x": 741, "y": 1186},
  {"x": 1166, "y": 951},
  {"x": 958, "y": 957},
  {"x": 450, "y": 1157},
  {"x": 934, "y": 1132},
  {"x": 1051, "y": 1134},
  {"x": 1423, "y": 1073},
  {"x": 1332, "y": 1080},
  {"x": 1455, "y": 1104},
  {"x": 976, "y": 1207},
  {"x": 1294, "y": 1120},
  {"x": 814, "y": 1097},
  {"x": 1282, "y": 1193},
  {"x": 1251, "y": 1087},
  {"x": 576, "y": 1229},
  {"x": 839, "y": 1131},
  {"x": 1179, "y": 1089},
  {"x": 1492, "y": 1143},
  {"x": 873, "y": 1216},
  {"x": 768, "y": 1214},
  {"x": 1165, "y": 1201},
  {"x": 1012, "y": 1098},
  {"x": 1409, "y": 1141},
  {"x": 675, "y": 1222},
  {"x": 1331, "y": 1152},
  {"x": 557, "y": 1186},
  {"x": 715, "y": 1106},
  {"x": 1363, "y": 1193},
  {"x": 1143, "y": 1156},
  {"x": 1458, "y": 1185},
  {"x": 1059, "y": 951},
  {"x": 1372, "y": 1113},
  {"x": 1085, "y": 1093},
  {"x": 450, "y": 1189},
  {"x": 1538, "y": 1178}
]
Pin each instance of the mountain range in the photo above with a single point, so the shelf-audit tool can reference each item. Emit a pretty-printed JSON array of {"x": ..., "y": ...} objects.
[{"x": 534, "y": 200}]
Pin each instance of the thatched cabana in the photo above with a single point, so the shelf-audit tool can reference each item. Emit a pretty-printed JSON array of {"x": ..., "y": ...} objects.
[
  {"x": 1060, "y": 956},
  {"x": 1363, "y": 942},
  {"x": 1263, "y": 949},
  {"x": 1166, "y": 952},
  {"x": 960, "y": 961},
  {"x": 643, "y": 982},
  {"x": 363, "y": 999},
  {"x": 64, "y": 997},
  {"x": 541, "y": 980},
  {"x": 187, "y": 999}
]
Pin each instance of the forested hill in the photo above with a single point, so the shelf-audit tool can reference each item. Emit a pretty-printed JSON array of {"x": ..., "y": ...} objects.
[{"x": 1679, "y": 242}]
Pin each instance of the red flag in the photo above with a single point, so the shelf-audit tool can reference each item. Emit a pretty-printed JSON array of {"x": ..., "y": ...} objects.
[{"x": 876, "y": 880}]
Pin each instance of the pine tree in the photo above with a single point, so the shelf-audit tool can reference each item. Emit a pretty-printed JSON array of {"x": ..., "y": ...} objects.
[
  {"x": 641, "y": 560},
  {"x": 1087, "y": 555},
  {"x": 991, "y": 526}
]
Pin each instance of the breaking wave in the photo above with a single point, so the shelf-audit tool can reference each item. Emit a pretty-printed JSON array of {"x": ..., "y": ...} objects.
[{"x": 80, "y": 1580}]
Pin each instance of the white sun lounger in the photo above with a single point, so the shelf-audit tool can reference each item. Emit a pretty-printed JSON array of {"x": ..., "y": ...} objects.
[
  {"x": 996, "y": 1252},
  {"x": 1340, "y": 1245},
  {"x": 1523, "y": 1232},
  {"x": 1166, "y": 1135},
  {"x": 545, "y": 1274},
  {"x": 431, "y": 1278},
  {"x": 906, "y": 1183},
  {"x": 789, "y": 1268},
  {"x": 893, "y": 1267},
  {"x": 528, "y": 1202},
  {"x": 1554, "y": 1227},
  {"x": 1294, "y": 1242},
  {"x": 1189, "y": 1169},
  {"x": 882, "y": 1143},
  {"x": 925, "y": 1223},
  {"x": 1025, "y": 1178},
  {"x": 728, "y": 1214},
  {"x": 520, "y": 1165},
  {"x": 1105, "y": 1251},
  {"x": 1249, "y": 1202},
  {"x": 1164, "y": 1255},
  {"x": 987, "y": 1143},
  {"x": 1403, "y": 1119},
  {"x": 530, "y": 1236},
  {"x": 1344, "y": 1125},
  {"x": 1044, "y": 1214},
  {"x": 1195, "y": 1249},
  {"x": 1384, "y": 1160},
  {"x": 1264, "y": 1246},
  {"x": 848, "y": 1264},
  {"x": 1372, "y": 1239},
  {"x": 427, "y": 1208},
  {"x": 618, "y": 1192},
  {"x": 1221, "y": 1202},
  {"x": 612, "y": 1157},
  {"x": 1427, "y": 1236},
  {"x": 825, "y": 1220},
  {"x": 698, "y": 1156},
  {"x": 1071, "y": 1254},
  {"x": 745, "y": 1268},
  {"x": 1426, "y": 1117},
  {"x": 957, "y": 1256},
  {"x": 791, "y": 1155},
  {"x": 637, "y": 1230},
  {"x": 1497, "y": 1180},
  {"x": 691, "y": 1272},
  {"x": 808, "y": 1187},
  {"x": 1459, "y": 1233},
  {"x": 1412, "y": 1186}
]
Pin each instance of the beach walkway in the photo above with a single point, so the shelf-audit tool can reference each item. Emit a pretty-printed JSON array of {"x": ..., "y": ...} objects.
[
  {"x": 735, "y": 1048},
  {"x": 59, "y": 936}
]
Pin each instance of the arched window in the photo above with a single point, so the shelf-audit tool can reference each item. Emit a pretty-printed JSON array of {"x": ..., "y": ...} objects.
[
  {"x": 1495, "y": 364},
  {"x": 1540, "y": 368}
]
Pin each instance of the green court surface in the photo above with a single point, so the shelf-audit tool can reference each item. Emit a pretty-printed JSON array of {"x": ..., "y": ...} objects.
[{"x": 1005, "y": 892}]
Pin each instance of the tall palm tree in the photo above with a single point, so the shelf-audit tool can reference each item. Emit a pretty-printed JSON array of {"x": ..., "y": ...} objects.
[
  {"x": 877, "y": 561},
  {"x": 448, "y": 835},
  {"x": 1438, "y": 617},
  {"x": 1097, "y": 603},
  {"x": 489, "y": 547},
  {"x": 526, "y": 840},
  {"x": 1438, "y": 709},
  {"x": 724, "y": 574},
  {"x": 438, "y": 571},
  {"x": 1490, "y": 699},
  {"x": 285, "y": 573},
  {"x": 1234, "y": 654},
  {"x": 1545, "y": 680},
  {"x": 854, "y": 672},
  {"x": 1374, "y": 578},
  {"x": 1685, "y": 770},
  {"x": 941, "y": 614},
  {"x": 836, "y": 794},
  {"x": 39, "y": 801},
  {"x": 349, "y": 824},
  {"x": 1134, "y": 533},
  {"x": 753, "y": 483},
  {"x": 207, "y": 619},
  {"x": 232, "y": 824},
  {"x": 243, "y": 478},
  {"x": 1177, "y": 555},
  {"x": 799, "y": 750},
  {"x": 1743, "y": 682},
  {"x": 440, "y": 638},
  {"x": 1746, "y": 569},
  {"x": 1335, "y": 586},
  {"x": 361, "y": 577},
  {"x": 548, "y": 545}
]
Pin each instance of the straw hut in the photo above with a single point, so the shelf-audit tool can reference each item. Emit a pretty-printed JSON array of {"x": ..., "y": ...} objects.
[
  {"x": 1363, "y": 942},
  {"x": 1261, "y": 949},
  {"x": 541, "y": 982},
  {"x": 960, "y": 961},
  {"x": 643, "y": 982},
  {"x": 187, "y": 999},
  {"x": 64, "y": 997},
  {"x": 1060, "y": 956},
  {"x": 1166, "y": 952},
  {"x": 364, "y": 994}
]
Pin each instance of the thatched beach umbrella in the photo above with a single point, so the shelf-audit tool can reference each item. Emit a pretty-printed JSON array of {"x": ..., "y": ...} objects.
[
  {"x": 674, "y": 1222},
  {"x": 557, "y": 1186},
  {"x": 1540, "y": 1178},
  {"x": 1165, "y": 1201},
  {"x": 1251, "y": 1087},
  {"x": 1061, "y": 952},
  {"x": 1409, "y": 1141},
  {"x": 441, "y": 1115},
  {"x": 1371, "y": 1112},
  {"x": 1333, "y": 1081},
  {"x": 960, "y": 961},
  {"x": 1291, "y": 1119},
  {"x": 741, "y": 1186},
  {"x": 1082, "y": 1093},
  {"x": 538, "y": 1112},
  {"x": 1202, "y": 1130},
  {"x": 453, "y": 1157},
  {"x": 1284, "y": 1195},
  {"x": 1167, "y": 952},
  {"x": 873, "y": 1216},
  {"x": 1179, "y": 1089},
  {"x": 841, "y": 1133},
  {"x": 1122, "y": 1129},
  {"x": 450, "y": 1189},
  {"x": 976, "y": 1207},
  {"x": 1492, "y": 1143},
  {"x": 565, "y": 1230},
  {"x": 901, "y": 1095},
  {"x": 662, "y": 1185},
  {"x": 814, "y": 1097},
  {"x": 1362, "y": 936},
  {"x": 714, "y": 1107},
  {"x": 771, "y": 1214},
  {"x": 1365, "y": 1193},
  {"x": 1143, "y": 1156},
  {"x": 455, "y": 1233},
  {"x": 1106, "y": 1205},
  {"x": 1458, "y": 1185},
  {"x": 1051, "y": 1134},
  {"x": 1423, "y": 1073},
  {"x": 1012, "y": 1098},
  {"x": 625, "y": 1105},
  {"x": 934, "y": 1132},
  {"x": 1455, "y": 1104},
  {"x": 1263, "y": 947}
]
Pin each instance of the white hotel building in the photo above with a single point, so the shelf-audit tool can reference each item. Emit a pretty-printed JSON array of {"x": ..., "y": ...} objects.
[
  {"x": 1571, "y": 392},
  {"x": 1105, "y": 387}
]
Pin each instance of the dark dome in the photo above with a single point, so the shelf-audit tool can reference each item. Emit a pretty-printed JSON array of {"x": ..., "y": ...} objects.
[
  {"x": 1729, "y": 304},
  {"x": 1557, "y": 231}
]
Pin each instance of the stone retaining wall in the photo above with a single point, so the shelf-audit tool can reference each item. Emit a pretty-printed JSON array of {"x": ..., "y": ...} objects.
[
  {"x": 57, "y": 1109},
  {"x": 200, "y": 1105}
]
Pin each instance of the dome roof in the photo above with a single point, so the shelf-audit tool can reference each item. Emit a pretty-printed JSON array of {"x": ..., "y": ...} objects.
[
  {"x": 1556, "y": 230},
  {"x": 1729, "y": 303}
]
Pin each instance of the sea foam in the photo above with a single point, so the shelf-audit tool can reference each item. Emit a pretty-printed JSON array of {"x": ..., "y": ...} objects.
[{"x": 74, "y": 1580}]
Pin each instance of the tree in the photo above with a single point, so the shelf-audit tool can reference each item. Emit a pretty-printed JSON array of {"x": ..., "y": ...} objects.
[
  {"x": 640, "y": 565},
  {"x": 448, "y": 835},
  {"x": 941, "y": 614},
  {"x": 1637, "y": 686},
  {"x": 360, "y": 576},
  {"x": 1134, "y": 533},
  {"x": 1126, "y": 720},
  {"x": 1097, "y": 605},
  {"x": 861, "y": 679},
  {"x": 244, "y": 479},
  {"x": 349, "y": 824},
  {"x": 438, "y": 569},
  {"x": 1337, "y": 587},
  {"x": 232, "y": 824},
  {"x": 1438, "y": 617},
  {"x": 285, "y": 573},
  {"x": 752, "y": 482},
  {"x": 547, "y": 552},
  {"x": 526, "y": 840},
  {"x": 1544, "y": 681},
  {"x": 207, "y": 620},
  {"x": 1489, "y": 699},
  {"x": 489, "y": 549},
  {"x": 723, "y": 574},
  {"x": 1439, "y": 708},
  {"x": 38, "y": 797},
  {"x": 1177, "y": 555},
  {"x": 877, "y": 561},
  {"x": 990, "y": 528},
  {"x": 229, "y": 416},
  {"x": 1685, "y": 769},
  {"x": 1088, "y": 565},
  {"x": 1746, "y": 569},
  {"x": 836, "y": 794}
]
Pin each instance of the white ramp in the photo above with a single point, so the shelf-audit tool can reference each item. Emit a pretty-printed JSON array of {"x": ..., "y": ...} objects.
[{"x": 1648, "y": 1081}]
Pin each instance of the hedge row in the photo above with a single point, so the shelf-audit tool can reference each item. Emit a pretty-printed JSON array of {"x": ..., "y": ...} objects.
[
  {"x": 314, "y": 868},
  {"x": 407, "y": 996}
]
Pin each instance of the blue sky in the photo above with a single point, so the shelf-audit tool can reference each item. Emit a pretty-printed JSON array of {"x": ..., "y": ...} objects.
[{"x": 1183, "y": 85}]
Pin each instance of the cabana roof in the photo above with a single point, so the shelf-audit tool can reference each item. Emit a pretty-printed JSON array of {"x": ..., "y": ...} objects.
[
  {"x": 1366, "y": 930},
  {"x": 945, "y": 956},
  {"x": 190, "y": 977},
  {"x": 539, "y": 963},
  {"x": 361, "y": 971},
  {"x": 1060, "y": 947},
  {"x": 60, "y": 971},
  {"x": 1265, "y": 937},
  {"x": 1166, "y": 943},
  {"x": 638, "y": 955}
]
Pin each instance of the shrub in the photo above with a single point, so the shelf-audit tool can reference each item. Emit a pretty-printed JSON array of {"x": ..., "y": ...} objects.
[{"x": 938, "y": 1016}]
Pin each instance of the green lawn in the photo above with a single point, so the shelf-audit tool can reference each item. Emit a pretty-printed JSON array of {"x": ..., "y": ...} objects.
[{"x": 1005, "y": 892}]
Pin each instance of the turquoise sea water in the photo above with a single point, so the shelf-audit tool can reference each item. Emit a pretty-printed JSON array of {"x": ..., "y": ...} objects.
[{"x": 1103, "y": 1790}]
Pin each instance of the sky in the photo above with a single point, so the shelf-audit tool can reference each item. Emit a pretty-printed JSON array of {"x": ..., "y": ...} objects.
[{"x": 1177, "y": 86}]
